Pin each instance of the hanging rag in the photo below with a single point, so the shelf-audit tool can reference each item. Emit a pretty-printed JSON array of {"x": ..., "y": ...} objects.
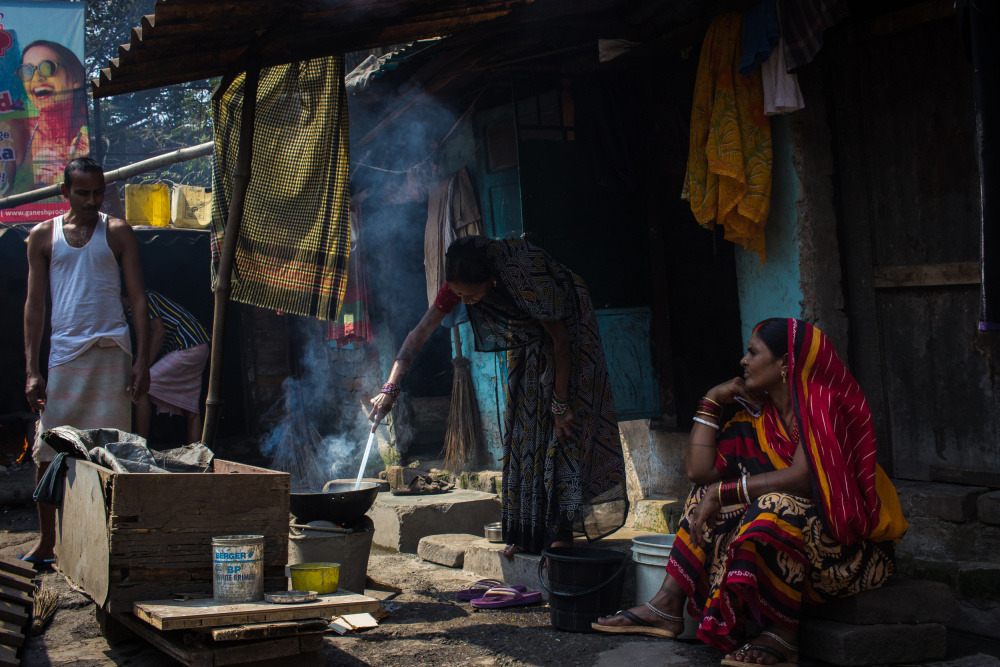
[
  {"x": 353, "y": 325},
  {"x": 728, "y": 179},
  {"x": 803, "y": 23},
  {"x": 761, "y": 33},
  {"x": 294, "y": 245},
  {"x": 781, "y": 87},
  {"x": 452, "y": 213}
]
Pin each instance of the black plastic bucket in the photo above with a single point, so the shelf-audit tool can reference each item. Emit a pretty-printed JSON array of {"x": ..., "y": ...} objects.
[{"x": 583, "y": 583}]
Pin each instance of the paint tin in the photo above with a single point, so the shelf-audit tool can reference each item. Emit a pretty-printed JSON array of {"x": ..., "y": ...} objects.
[{"x": 239, "y": 568}]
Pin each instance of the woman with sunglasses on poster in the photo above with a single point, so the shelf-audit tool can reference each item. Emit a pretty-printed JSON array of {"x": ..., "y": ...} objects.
[{"x": 54, "y": 80}]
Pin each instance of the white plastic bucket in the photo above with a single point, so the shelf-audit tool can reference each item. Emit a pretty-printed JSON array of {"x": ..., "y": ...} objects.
[
  {"x": 239, "y": 568},
  {"x": 650, "y": 554}
]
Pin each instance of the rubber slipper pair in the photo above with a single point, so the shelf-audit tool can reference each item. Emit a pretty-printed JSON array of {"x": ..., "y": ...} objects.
[
  {"x": 500, "y": 597},
  {"x": 476, "y": 590}
]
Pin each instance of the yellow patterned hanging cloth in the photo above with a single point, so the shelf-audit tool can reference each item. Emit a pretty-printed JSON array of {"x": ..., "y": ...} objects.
[{"x": 728, "y": 179}]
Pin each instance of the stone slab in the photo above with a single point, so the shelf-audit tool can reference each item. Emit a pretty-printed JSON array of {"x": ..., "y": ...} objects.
[
  {"x": 899, "y": 601},
  {"x": 968, "y": 476},
  {"x": 936, "y": 539},
  {"x": 858, "y": 645},
  {"x": 978, "y": 618},
  {"x": 401, "y": 521},
  {"x": 399, "y": 476},
  {"x": 951, "y": 502},
  {"x": 988, "y": 508},
  {"x": 979, "y": 581},
  {"x": 489, "y": 481},
  {"x": 448, "y": 549}
]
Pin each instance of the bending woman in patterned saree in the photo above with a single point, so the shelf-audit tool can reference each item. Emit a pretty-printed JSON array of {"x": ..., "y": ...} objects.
[
  {"x": 789, "y": 505},
  {"x": 563, "y": 467}
]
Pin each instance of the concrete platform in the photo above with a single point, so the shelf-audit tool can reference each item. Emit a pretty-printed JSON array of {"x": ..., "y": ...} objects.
[
  {"x": 858, "y": 645},
  {"x": 401, "y": 521},
  {"x": 906, "y": 601}
]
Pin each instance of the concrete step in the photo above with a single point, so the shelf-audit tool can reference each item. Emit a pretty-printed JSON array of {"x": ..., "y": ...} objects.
[
  {"x": 977, "y": 587},
  {"x": 951, "y": 502},
  {"x": 899, "y": 601},
  {"x": 857, "y": 645},
  {"x": 448, "y": 549},
  {"x": 657, "y": 515},
  {"x": 401, "y": 521}
]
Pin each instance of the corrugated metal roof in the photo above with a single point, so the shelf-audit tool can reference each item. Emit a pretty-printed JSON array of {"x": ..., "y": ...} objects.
[{"x": 187, "y": 40}]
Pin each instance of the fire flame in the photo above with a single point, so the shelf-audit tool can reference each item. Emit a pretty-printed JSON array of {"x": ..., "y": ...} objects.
[{"x": 24, "y": 454}]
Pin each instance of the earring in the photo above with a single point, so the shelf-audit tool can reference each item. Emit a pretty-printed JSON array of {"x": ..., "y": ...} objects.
[{"x": 783, "y": 380}]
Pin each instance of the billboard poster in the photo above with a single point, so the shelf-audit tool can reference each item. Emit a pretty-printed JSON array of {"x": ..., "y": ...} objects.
[{"x": 43, "y": 100}]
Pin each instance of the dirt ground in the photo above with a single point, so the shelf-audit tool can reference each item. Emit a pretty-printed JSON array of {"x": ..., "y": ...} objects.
[{"x": 425, "y": 626}]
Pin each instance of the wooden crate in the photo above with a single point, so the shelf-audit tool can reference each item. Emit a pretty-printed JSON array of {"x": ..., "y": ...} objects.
[{"x": 125, "y": 537}]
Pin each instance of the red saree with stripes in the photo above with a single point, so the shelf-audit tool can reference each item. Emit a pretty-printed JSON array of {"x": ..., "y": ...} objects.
[{"x": 766, "y": 559}]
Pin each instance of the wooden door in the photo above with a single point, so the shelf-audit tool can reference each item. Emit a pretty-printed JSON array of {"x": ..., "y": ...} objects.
[{"x": 904, "y": 128}]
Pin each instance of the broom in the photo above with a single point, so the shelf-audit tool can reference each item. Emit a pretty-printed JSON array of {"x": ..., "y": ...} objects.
[
  {"x": 463, "y": 441},
  {"x": 44, "y": 606}
]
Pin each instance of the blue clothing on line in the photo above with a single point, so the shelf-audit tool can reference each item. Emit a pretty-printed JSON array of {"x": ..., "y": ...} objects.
[{"x": 761, "y": 32}]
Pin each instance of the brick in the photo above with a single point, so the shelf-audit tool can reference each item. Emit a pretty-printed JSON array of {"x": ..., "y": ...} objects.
[
  {"x": 857, "y": 645},
  {"x": 988, "y": 508},
  {"x": 951, "y": 502},
  {"x": 448, "y": 549},
  {"x": 899, "y": 601}
]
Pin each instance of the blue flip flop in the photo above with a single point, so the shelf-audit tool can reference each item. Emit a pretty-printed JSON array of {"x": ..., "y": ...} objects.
[{"x": 41, "y": 564}]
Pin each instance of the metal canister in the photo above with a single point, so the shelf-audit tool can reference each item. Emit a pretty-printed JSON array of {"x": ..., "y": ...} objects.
[{"x": 239, "y": 568}]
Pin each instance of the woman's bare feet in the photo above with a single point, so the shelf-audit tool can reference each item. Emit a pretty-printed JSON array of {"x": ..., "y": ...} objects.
[
  {"x": 511, "y": 550},
  {"x": 779, "y": 639},
  {"x": 669, "y": 601}
]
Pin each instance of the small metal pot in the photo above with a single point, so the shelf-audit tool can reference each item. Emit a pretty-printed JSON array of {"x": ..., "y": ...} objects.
[{"x": 494, "y": 532}]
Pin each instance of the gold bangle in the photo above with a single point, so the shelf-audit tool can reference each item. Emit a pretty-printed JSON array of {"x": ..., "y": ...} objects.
[
  {"x": 706, "y": 398},
  {"x": 720, "y": 493},
  {"x": 707, "y": 414}
]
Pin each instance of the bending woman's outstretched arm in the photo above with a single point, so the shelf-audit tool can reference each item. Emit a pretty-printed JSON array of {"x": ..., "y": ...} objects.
[{"x": 382, "y": 404}]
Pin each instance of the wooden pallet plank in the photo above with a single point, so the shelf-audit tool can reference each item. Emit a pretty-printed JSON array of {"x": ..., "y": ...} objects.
[
  {"x": 11, "y": 580},
  {"x": 192, "y": 657},
  {"x": 18, "y": 567},
  {"x": 11, "y": 634},
  {"x": 187, "y": 614},
  {"x": 8, "y": 657},
  {"x": 15, "y": 596},
  {"x": 14, "y": 613},
  {"x": 269, "y": 630},
  {"x": 226, "y": 654}
]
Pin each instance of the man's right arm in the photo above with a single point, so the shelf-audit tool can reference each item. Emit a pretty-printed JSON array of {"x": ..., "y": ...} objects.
[{"x": 39, "y": 252}]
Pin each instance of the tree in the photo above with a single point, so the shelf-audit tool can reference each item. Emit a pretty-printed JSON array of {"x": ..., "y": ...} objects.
[{"x": 139, "y": 125}]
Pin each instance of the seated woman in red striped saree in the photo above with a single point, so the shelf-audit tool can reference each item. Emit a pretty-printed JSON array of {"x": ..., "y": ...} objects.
[{"x": 789, "y": 505}]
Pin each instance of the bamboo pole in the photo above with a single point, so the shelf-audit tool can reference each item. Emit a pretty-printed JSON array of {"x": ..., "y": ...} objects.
[
  {"x": 121, "y": 174},
  {"x": 223, "y": 282}
]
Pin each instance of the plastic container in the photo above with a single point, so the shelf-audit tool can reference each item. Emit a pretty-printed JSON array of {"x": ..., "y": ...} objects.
[
  {"x": 239, "y": 568},
  {"x": 584, "y": 583},
  {"x": 319, "y": 577},
  {"x": 650, "y": 554},
  {"x": 147, "y": 204},
  {"x": 190, "y": 207}
]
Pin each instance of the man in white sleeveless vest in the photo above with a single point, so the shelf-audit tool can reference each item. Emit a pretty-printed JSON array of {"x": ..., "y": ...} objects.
[{"x": 92, "y": 376}]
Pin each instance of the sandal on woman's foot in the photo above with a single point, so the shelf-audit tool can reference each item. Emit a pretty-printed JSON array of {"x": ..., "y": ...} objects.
[
  {"x": 640, "y": 626},
  {"x": 782, "y": 659}
]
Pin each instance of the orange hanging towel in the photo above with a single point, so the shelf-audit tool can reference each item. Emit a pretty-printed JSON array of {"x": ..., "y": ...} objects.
[{"x": 728, "y": 178}]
